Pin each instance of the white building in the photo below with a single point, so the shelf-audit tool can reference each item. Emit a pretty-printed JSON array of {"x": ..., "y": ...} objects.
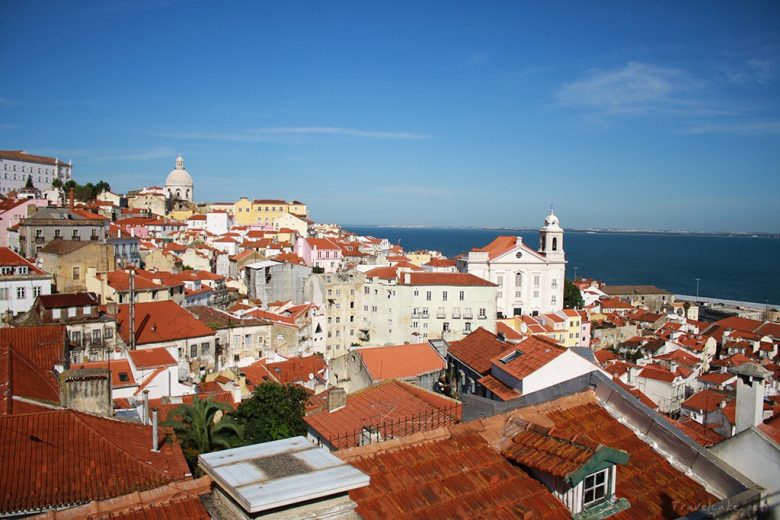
[
  {"x": 417, "y": 306},
  {"x": 16, "y": 166},
  {"x": 529, "y": 282},
  {"x": 20, "y": 283},
  {"x": 179, "y": 184}
]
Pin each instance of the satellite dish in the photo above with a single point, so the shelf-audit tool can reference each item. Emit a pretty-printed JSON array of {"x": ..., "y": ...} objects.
[{"x": 311, "y": 376}]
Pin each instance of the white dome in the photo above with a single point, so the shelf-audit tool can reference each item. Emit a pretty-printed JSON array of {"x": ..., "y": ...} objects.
[
  {"x": 179, "y": 176},
  {"x": 551, "y": 223}
]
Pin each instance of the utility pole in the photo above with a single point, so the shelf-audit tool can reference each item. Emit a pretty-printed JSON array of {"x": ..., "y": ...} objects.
[{"x": 132, "y": 309}]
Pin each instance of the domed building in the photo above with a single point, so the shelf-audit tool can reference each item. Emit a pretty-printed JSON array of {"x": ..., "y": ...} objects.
[{"x": 179, "y": 184}]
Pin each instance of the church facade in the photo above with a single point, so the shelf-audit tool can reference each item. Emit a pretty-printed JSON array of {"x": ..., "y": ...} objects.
[{"x": 529, "y": 282}]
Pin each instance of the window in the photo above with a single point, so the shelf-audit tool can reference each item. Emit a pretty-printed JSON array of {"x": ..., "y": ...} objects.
[
  {"x": 536, "y": 294},
  {"x": 444, "y": 296},
  {"x": 193, "y": 351},
  {"x": 467, "y": 326},
  {"x": 75, "y": 234},
  {"x": 462, "y": 295},
  {"x": 417, "y": 292},
  {"x": 554, "y": 283},
  {"x": 75, "y": 337},
  {"x": 553, "y": 300},
  {"x": 536, "y": 281},
  {"x": 518, "y": 279},
  {"x": 204, "y": 349},
  {"x": 236, "y": 339},
  {"x": 71, "y": 312},
  {"x": 21, "y": 293},
  {"x": 366, "y": 290},
  {"x": 4, "y": 293},
  {"x": 96, "y": 335},
  {"x": 36, "y": 291},
  {"x": 55, "y": 313},
  {"x": 428, "y": 295},
  {"x": 518, "y": 294},
  {"x": 482, "y": 313},
  {"x": 76, "y": 272},
  {"x": 595, "y": 488},
  {"x": 500, "y": 279},
  {"x": 57, "y": 233},
  {"x": 108, "y": 333}
]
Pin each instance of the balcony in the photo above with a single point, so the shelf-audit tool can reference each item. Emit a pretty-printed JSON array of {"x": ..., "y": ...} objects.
[
  {"x": 441, "y": 315},
  {"x": 40, "y": 240},
  {"x": 468, "y": 316},
  {"x": 456, "y": 315},
  {"x": 94, "y": 237},
  {"x": 482, "y": 317}
]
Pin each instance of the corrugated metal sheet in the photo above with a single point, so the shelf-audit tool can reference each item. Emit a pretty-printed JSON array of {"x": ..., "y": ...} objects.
[{"x": 238, "y": 472}]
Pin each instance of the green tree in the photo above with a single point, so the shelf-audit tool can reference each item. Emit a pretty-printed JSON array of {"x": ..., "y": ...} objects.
[
  {"x": 102, "y": 186},
  {"x": 199, "y": 431},
  {"x": 56, "y": 183},
  {"x": 273, "y": 412},
  {"x": 69, "y": 184},
  {"x": 29, "y": 183},
  {"x": 572, "y": 297}
]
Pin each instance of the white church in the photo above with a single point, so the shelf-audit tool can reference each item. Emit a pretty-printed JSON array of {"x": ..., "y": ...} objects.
[{"x": 529, "y": 282}]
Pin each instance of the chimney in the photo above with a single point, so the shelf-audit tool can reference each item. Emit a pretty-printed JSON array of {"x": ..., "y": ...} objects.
[
  {"x": 155, "y": 440},
  {"x": 145, "y": 418},
  {"x": 235, "y": 392},
  {"x": 71, "y": 198},
  {"x": 750, "y": 395},
  {"x": 337, "y": 399}
]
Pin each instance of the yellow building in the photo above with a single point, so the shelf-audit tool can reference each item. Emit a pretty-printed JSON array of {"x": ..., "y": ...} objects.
[{"x": 243, "y": 212}]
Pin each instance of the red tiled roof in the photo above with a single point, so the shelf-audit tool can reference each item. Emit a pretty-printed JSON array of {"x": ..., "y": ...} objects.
[
  {"x": 289, "y": 258},
  {"x": 619, "y": 368},
  {"x": 534, "y": 353},
  {"x": 604, "y": 355},
  {"x": 43, "y": 346},
  {"x": 636, "y": 393},
  {"x": 147, "y": 358},
  {"x": 10, "y": 259},
  {"x": 680, "y": 357},
  {"x": 117, "y": 367},
  {"x": 441, "y": 262},
  {"x": 452, "y": 279},
  {"x": 63, "y": 458},
  {"x": 387, "y": 406},
  {"x": 19, "y": 377},
  {"x": 21, "y": 155},
  {"x": 716, "y": 377},
  {"x": 157, "y": 322},
  {"x": 297, "y": 370},
  {"x": 704, "y": 401},
  {"x": 383, "y": 273},
  {"x": 732, "y": 361},
  {"x": 257, "y": 373},
  {"x": 477, "y": 349},
  {"x": 498, "y": 389},
  {"x": 498, "y": 246},
  {"x": 653, "y": 486},
  {"x": 536, "y": 448},
  {"x": 508, "y": 332},
  {"x": 400, "y": 361},
  {"x": 659, "y": 374},
  {"x": 459, "y": 476}
]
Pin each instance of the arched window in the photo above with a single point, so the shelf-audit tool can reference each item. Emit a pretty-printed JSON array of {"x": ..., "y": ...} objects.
[
  {"x": 518, "y": 279},
  {"x": 178, "y": 194},
  {"x": 188, "y": 194},
  {"x": 555, "y": 244}
]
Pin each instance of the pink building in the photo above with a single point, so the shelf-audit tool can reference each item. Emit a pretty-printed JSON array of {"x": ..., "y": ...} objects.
[
  {"x": 319, "y": 252},
  {"x": 11, "y": 210}
]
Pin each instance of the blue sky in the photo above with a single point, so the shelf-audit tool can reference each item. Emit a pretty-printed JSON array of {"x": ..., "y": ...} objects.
[{"x": 662, "y": 115}]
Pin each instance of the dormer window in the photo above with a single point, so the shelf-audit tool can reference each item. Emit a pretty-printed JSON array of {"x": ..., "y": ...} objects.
[{"x": 596, "y": 488}]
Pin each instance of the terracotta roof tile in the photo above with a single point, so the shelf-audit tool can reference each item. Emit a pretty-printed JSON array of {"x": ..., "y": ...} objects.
[
  {"x": 659, "y": 374},
  {"x": 477, "y": 349},
  {"x": 151, "y": 358},
  {"x": 499, "y": 389},
  {"x": 528, "y": 356},
  {"x": 297, "y": 370},
  {"x": 400, "y": 361},
  {"x": 121, "y": 375},
  {"x": 395, "y": 408},
  {"x": 705, "y": 401},
  {"x": 63, "y": 458},
  {"x": 157, "y": 322}
]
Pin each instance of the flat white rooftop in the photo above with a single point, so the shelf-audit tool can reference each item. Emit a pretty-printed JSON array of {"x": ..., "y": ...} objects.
[{"x": 278, "y": 473}]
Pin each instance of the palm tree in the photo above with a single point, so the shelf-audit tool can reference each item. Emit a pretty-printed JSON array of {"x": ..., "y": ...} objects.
[{"x": 200, "y": 430}]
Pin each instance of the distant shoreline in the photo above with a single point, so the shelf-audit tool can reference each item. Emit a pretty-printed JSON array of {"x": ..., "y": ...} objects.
[{"x": 581, "y": 230}]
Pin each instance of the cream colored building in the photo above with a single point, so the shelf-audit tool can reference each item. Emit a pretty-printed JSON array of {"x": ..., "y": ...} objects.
[
  {"x": 417, "y": 306},
  {"x": 339, "y": 294}
]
